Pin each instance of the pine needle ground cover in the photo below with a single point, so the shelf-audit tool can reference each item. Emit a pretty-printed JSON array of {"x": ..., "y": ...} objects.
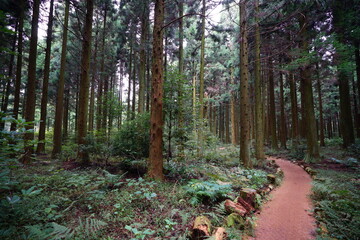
[{"x": 51, "y": 200}]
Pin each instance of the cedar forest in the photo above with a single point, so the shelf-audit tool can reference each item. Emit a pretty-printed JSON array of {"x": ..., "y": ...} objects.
[{"x": 141, "y": 119}]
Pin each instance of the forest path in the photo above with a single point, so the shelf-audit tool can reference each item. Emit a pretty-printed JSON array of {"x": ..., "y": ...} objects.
[{"x": 286, "y": 216}]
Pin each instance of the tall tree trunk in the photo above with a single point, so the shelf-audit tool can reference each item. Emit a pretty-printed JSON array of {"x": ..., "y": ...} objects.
[
  {"x": 227, "y": 122},
  {"x": 7, "y": 85},
  {"x": 259, "y": 119},
  {"x": 155, "y": 162},
  {"x": 142, "y": 70},
  {"x": 233, "y": 109},
  {"x": 65, "y": 131},
  {"x": 31, "y": 85},
  {"x": 130, "y": 78},
  {"x": 356, "y": 109},
  {"x": 181, "y": 73},
  {"x": 93, "y": 83},
  {"x": 357, "y": 62},
  {"x": 60, "y": 91},
  {"x": 84, "y": 84},
  {"x": 283, "y": 129},
  {"x": 294, "y": 111},
  {"x": 44, "y": 97},
  {"x": 272, "y": 110},
  {"x": 321, "y": 127},
  {"x": 104, "y": 77},
  {"x": 18, "y": 64},
  {"x": 202, "y": 63},
  {"x": 309, "y": 121},
  {"x": 133, "y": 104},
  {"x": 244, "y": 90}
]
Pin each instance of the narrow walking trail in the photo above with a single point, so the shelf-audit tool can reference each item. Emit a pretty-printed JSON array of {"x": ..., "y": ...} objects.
[{"x": 286, "y": 216}]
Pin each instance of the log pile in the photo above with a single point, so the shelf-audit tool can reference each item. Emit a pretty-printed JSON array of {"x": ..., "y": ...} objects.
[{"x": 238, "y": 211}]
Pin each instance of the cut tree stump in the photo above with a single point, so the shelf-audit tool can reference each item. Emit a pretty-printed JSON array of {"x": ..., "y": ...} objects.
[
  {"x": 245, "y": 204},
  {"x": 220, "y": 233},
  {"x": 201, "y": 228},
  {"x": 271, "y": 178},
  {"x": 232, "y": 207},
  {"x": 249, "y": 195}
]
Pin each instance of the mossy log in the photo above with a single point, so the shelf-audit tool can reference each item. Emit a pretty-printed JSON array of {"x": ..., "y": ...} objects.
[
  {"x": 201, "y": 228},
  {"x": 234, "y": 220},
  {"x": 232, "y": 207},
  {"x": 220, "y": 233}
]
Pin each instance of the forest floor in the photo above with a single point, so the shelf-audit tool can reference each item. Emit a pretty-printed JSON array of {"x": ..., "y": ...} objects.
[{"x": 59, "y": 199}]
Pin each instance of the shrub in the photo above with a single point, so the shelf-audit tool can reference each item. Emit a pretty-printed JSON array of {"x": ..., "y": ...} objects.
[{"x": 133, "y": 138}]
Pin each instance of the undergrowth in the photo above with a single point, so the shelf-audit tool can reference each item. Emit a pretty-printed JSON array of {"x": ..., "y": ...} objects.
[{"x": 336, "y": 195}]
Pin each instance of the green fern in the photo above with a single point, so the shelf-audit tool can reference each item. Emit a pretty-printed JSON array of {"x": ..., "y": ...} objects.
[{"x": 88, "y": 227}]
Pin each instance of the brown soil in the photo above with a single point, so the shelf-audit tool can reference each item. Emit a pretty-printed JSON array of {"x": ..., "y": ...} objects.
[{"x": 287, "y": 215}]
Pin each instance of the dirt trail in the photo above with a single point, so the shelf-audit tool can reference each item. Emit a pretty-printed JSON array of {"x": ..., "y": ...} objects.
[{"x": 286, "y": 216}]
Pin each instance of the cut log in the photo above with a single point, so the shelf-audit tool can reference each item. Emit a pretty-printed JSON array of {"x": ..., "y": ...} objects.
[
  {"x": 201, "y": 228},
  {"x": 271, "y": 178},
  {"x": 232, "y": 207},
  {"x": 234, "y": 220},
  {"x": 249, "y": 195},
  {"x": 245, "y": 204},
  {"x": 220, "y": 233}
]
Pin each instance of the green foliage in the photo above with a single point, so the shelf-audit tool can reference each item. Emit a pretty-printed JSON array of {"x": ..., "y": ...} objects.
[
  {"x": 337, "y": 203},
  {"x": 139, "y": 234},
  {"x": 133, "y": 138},
  {"x": 201, "y": 191},
  {"x": 86, "y": 228}
]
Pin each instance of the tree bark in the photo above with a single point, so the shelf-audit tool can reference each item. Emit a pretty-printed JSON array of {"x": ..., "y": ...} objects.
[
  {"x": 44, "y": 97},
  {"x": 93, "y": 83},
  {"x": 84, "y": 84},
  {"x": 283, "y": 129},
  {"x": 202, "y": 63},
  {"x": 294, "y": 111},
  {"x": 309, "y": 114},
  {"x": 321, "y": 117},
  {"x": 259, "y": 118},
  {"x": 142, "y": 70},
  {"x": 155, "y": 163},
  {"x": 272, "y": 110},
  {"x": 60, "y": 91},
  {"x": 31, "y": 85},
  {"x": 244, "y": 90},
  {"x": 18, "y": 64}
]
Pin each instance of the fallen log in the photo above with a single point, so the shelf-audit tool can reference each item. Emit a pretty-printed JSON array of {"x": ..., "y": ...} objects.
[
  {"x": 232, "y": 207},
  {"x": 245, "y": 204},
  {"x": 201, "y": 228}
]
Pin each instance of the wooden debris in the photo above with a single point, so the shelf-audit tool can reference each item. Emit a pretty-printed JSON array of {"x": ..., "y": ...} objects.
[
  {"x": 201, "y": 228},
  {"x": 232, "y": 207},
  {"x": 220, "y": 233}
]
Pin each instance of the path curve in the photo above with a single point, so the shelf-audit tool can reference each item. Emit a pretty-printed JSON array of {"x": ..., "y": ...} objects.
[{"x": 287, "y": 215}]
